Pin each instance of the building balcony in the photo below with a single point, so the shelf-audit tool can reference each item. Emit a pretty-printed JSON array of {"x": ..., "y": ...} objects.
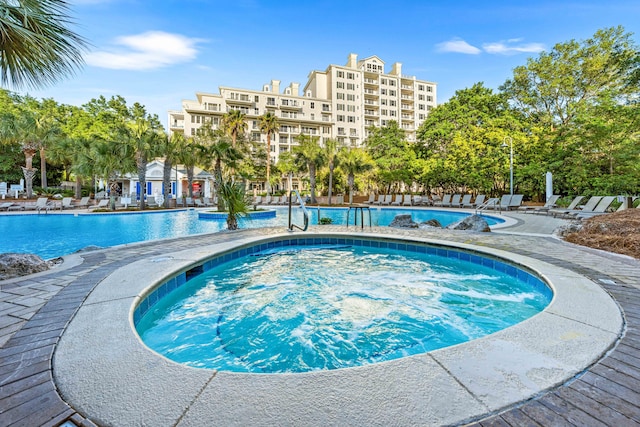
[
  {"x": 407, "y": 97},
  {"x": 369, "y": 102},
  {"x": 290, "y": 105},
  {"x": 371, "y": 113},
  {"x": 408, "y": 107}
]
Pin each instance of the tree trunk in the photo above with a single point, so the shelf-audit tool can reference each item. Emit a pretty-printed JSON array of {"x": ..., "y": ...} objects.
[
  {"x": 166, "y": 180},
  {"x": 218, "y": 184},
  {"x": 268, "y": 162},
  {"x": 78, "y": 192},
  {"x": 190, "y": 181},
  {"x": 330, "y": 181},
  {"x": 350, "y": 180},
  {"x": 142, "y": 178},
  {"x": 312, "y": 182},
  {"x": 43, "y": 168}
]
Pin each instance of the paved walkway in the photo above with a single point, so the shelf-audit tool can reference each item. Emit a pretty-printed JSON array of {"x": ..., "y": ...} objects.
[{"x": 35, "y": 310}]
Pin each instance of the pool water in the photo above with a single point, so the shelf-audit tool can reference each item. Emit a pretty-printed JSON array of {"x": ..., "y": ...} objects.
[
  {"x": 298, "y": 309},
  {"x": 51, "y": 236}
]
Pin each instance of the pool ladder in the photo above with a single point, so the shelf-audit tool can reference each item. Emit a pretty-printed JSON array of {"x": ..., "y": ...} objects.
[{"x": 305, "y": 213}]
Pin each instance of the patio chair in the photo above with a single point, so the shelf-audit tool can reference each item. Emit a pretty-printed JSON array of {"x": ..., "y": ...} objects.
[
  {"x": 257, "y": 200},
  {"x": 551, "y": 203},
  {"x": 198, "y": 203},
  {"x": 589, "y": 206},
  {"x": 208, "y": 202},
  {"x": 417, "y": 201},
  {"x": 515, "y": 201},
  {"x": 397, "y": 201},
  {"x": 83, "y": 203},
  {"x": 189, "y": 201},
  {"x": 455, "y": 201},
  {"x": 66, "y": 203},
  {"x": 600, "y": 208},
  {"x": 380, "y": 199},
  {"x": 446, "y": 200},
  {"x": 387, "y": 199},
  {"x": 466, "y": 200},
  {"x": 5, "y": 206},
  {"x": 477, "y": 202},
  {"x": 372, "y": 199},
  {"x": 407, "y": 200},
  {"x": 104, "y": 203}
]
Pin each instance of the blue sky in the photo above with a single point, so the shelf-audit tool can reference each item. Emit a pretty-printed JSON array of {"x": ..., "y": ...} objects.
[{"x": 163, "y": 51}]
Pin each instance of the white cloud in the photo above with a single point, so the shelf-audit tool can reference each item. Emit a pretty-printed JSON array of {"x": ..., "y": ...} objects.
[
  {"x": 508, "y": 48},
  {"x": 458, "y": 46},
  {"x": 146, "y": 51}
]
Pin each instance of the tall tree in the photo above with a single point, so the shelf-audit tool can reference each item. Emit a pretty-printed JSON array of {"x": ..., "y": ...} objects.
[
  {"x": 310, "y": 154},
  {"x": 354, "y": 161},
  {"x": 234, "y": 124},
  {"x": 269, "y": 126},
  {"x": 37, "y": 48},
  {"x": 331, "y": 148},
  {"x": 391, "y": 152}
]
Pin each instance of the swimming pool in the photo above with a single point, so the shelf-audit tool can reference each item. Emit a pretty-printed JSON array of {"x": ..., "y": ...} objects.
[
  {"x": 305, "y": 304},
  {"x": 50, "y": 236}
]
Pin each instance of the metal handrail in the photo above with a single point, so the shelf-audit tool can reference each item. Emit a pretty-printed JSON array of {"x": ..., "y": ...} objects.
[
  {"x": 305, "y": 213},
  {"x": 487, "y": 204}
]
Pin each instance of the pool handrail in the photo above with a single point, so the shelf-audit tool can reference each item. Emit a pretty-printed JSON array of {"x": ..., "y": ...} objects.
[{"x": 305, "y": 213}]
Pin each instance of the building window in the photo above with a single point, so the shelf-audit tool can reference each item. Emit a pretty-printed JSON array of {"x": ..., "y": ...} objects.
[
  {"x": 384, "y": 112},
  {"x": 326, "y": 107},
  {"x": 350, "y": 76},
  {"x": 392, "y": 113},
  {"x": 340, "y": 74},
  {"x": 256, "y": 98},
  {"x": 429, "y": 89},
  {"x": 420, "y": 106},
  {"x": 351, "y": 108},
  {"x": 392, "y": 93},
  {"x": 351, "y": 119},
  {"x": 392, "y": 103},
  {"x": 340, "y": 85},
  {"x": 392, "y": 82},
  {"x": 339, "y": 95},
  {"x": 271, "y": 101},
  {"x": 430, "y": 98},
  {"x": 383, "y": 91},
  {"x": 383, "y": 81},
  {"x": 351, "y": 86},
  {"x": 351, "y": 97},
  {"x": 312, "y": 104},
  {"x": 420, "y": 87},
  {"x": 340, "y": 107},
  {"x": 420, "y": 97},
  {"x": 340, "y": 118}
]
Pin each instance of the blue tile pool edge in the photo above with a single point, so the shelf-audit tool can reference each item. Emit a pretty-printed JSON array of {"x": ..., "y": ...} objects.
[{"x": 153, "y": 294}]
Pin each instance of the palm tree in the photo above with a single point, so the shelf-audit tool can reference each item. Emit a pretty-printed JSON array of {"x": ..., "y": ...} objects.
[
  {"x": 188, "y": 156},
  {"x": 170, "y": 146},
  {"x": 331, "y": 153},
  {"x": 21, "y": 129},
  {"x": 37, "y": 48},
  {"x": 235, "y": 201},
  {"x": 269, "y": 125},
  {"x": 310, "y": 154},
  {"x": 217, "y": 148},
  {"x": 234, "y": 124},
  {"x": 354, "y": 161}
]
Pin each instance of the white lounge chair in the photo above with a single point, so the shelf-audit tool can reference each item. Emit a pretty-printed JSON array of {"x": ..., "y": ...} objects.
[
  {"x": 588, "y": 207},
  {"x": 515, "y": 201},
  {"x": 83, "y": 203},
  {"x": 387, "y": 199},
  {"x": 397, "y": 201},
  {"x": 551, "y": 203},
  {"x": 600, "y": 208},
  {"x": 407, "y": 200},
  {"x": 446, "y": 201},
  {"x": 479, "y": 200},
  {"x": 66, "y": 203},
  {"x": 466, "y": 200},
  {"x": 455, "y": 201},
  {"x": 104, "y": 203},
  {"x": 417, "y": 201},
  {"x": 380, "y": 200},
  {"x": 372, "y": 199}
]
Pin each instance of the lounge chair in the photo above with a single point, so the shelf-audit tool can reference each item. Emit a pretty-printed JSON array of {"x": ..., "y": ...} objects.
[
  {"x": 407, "y": 200},
  {"x": 189, "y": 201},
  {"x": 102, "y": 204},
  {"x": 5, "y": 206},
  {"x": 198, "y": 203},
  {"x": 372, "y": 199},
  {"x": 387, "y": 199},
  {"x": 257, "y": 200},
  {"x": 380, "y": 199},
  {"x": 503, "y": 203},
  {"x": 397, "y": 201},
  {"x": 417, "y": 201},
  {"x": 551, "y": 203},
  {"x": 446, "y": 201},
  {"x": 600, "y": 208},
  {"x": 66, "y": 203},
  {"x": 466, "y": 201},
  {"x": 455, "y": 201},
  {"x": 588, "y": 207},
  {"x": 515, "y": 201},
  {"x": 477, "y": 202},
  {"x": 83, "y": 203},
  {"x": 208, "y": 203}
]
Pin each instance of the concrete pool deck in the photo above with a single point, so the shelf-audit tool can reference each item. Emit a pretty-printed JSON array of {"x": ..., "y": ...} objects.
[{"x": 88, "y": 371}]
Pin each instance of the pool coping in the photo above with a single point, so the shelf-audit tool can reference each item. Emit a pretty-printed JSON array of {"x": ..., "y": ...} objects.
[{"x": 101, "y": 355}]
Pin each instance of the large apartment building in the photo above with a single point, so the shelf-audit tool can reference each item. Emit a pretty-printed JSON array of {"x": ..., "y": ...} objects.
[{"x": 341, "y": 102}]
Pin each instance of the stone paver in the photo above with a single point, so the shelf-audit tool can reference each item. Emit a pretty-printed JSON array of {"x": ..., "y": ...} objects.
[{"x": 34, "y": 311}]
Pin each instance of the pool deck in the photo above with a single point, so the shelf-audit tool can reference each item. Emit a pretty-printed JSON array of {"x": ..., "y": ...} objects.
[{"x": 36, "y": 310}]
